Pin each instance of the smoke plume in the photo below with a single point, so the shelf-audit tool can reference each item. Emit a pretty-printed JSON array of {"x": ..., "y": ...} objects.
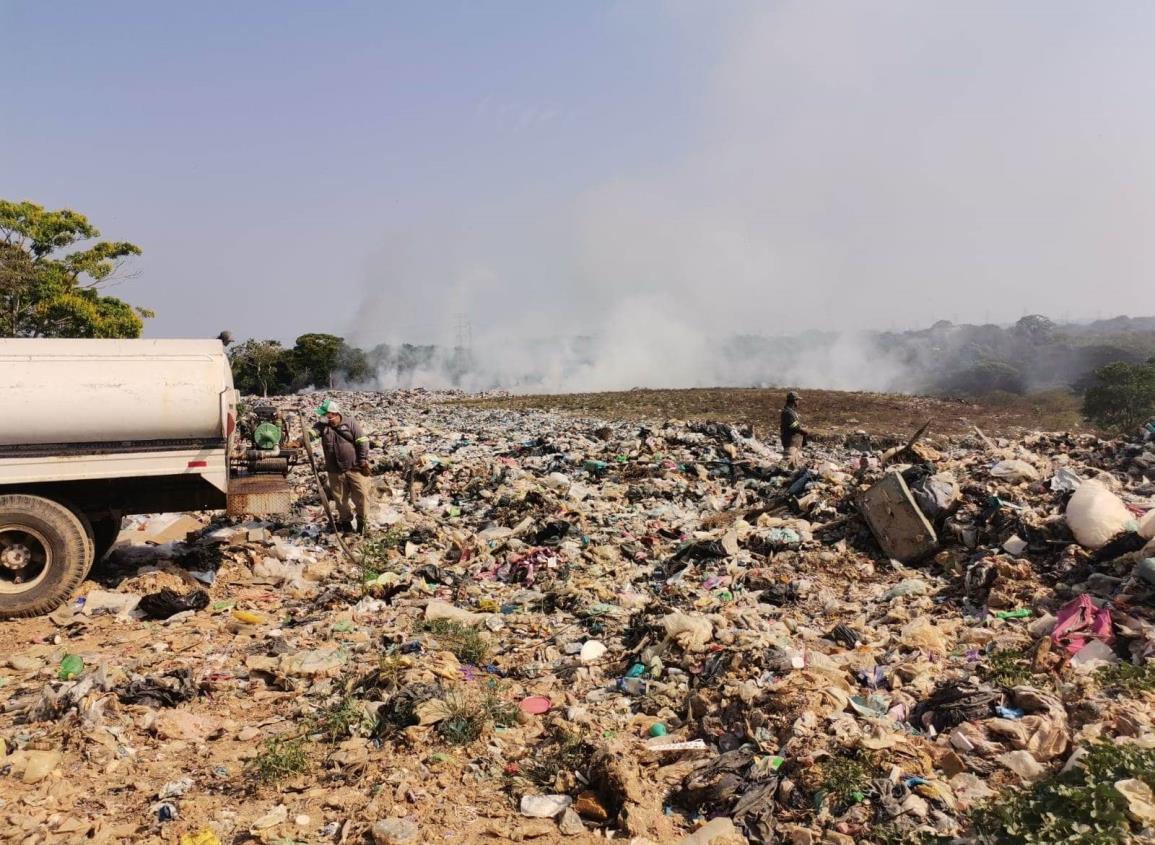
[{"x": 855, "y": 168}]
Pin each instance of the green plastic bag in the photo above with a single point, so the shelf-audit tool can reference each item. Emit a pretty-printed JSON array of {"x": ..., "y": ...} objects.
[{"x": 71, "y": 666}]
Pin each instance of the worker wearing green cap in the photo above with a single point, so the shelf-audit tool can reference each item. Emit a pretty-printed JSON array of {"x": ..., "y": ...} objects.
[{"x": 346, "y": 449}]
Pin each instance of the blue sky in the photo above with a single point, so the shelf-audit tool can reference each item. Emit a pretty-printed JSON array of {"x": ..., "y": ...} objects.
[
  {"x": 260, "y": 152},
  {"x": 548, "y": 168}
]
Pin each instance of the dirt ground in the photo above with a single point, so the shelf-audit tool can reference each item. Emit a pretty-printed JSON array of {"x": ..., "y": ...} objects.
[{"x": 828, "y": 414}]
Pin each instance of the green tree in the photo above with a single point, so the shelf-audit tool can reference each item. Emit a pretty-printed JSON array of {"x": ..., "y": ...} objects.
[
  {"x": 353, "y": 363},
  {"x": 260, "y": 366},
  {"x": 1035, "y": 328},
  {"x": 1122, "y": 396},
  {"x": 45, "y": 292},
  {"x": 983, "y": 378},
  {"x": 320, "y": 358},
  {"x": 317, "y": 357}
]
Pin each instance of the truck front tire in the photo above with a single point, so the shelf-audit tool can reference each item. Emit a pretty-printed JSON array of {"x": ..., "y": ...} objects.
[{"x": 44, "y": 555}]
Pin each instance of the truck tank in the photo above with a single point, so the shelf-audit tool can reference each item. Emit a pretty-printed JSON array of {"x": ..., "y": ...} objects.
[{"x": 112, "y": 391}]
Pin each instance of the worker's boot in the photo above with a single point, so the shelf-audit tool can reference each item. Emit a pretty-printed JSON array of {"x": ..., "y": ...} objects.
[{"x": 344, "y": 526}]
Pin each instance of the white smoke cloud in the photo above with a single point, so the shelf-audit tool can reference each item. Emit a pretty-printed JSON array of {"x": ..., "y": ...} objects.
[{"x": 856, "y": 166}]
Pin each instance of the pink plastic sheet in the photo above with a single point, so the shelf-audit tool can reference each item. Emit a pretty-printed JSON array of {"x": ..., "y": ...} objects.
[{"x": 1080, "y": 621}]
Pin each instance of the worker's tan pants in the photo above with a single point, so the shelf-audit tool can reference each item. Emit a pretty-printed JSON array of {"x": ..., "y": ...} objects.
[
  {"x": 794, "y": 451},
  {"x": 351, "y": 490}
]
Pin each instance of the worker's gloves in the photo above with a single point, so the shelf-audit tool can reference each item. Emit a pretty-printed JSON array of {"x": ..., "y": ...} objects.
[{"x": 364, "y": 467}]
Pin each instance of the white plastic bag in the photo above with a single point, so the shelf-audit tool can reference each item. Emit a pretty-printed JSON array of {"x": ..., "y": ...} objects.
[
  {"x": 1095, "y": 515},
  {"x": 1014, "y": 471},
  {"x": 691, "y": 631},
  {"x": 1147, "y": 525}
]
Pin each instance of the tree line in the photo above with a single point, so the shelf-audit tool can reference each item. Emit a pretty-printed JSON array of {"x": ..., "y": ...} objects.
[{"x": 265, "y": 367}]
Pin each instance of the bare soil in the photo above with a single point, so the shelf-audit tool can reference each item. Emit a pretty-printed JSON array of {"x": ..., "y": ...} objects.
[{"x": 827, "y": 414}]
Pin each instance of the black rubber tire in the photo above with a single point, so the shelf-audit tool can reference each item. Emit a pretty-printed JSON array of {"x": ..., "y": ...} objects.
[
  {"x": 68, "y": 546},
  {"x": 105, "y": 530},
  {"x": 86, "y": 524}
]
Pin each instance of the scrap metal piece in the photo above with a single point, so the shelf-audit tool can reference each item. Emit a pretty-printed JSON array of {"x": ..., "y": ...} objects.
[
  {"x": 902, "y": 530},
  {"x": 259, "y": 495}
]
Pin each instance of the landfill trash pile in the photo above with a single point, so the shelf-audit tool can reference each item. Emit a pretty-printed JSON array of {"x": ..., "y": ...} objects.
[{"x": 573, "y": 630}]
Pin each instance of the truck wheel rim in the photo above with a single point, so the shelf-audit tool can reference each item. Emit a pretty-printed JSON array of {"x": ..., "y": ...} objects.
[{"x": 25, "y": 558}]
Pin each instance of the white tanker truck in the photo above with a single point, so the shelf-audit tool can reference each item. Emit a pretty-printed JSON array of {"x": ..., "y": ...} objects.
[{"x": 93, "y": 430}]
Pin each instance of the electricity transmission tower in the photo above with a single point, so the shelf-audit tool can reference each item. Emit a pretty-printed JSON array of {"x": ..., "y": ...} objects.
[{"x": 464, "y": 332}]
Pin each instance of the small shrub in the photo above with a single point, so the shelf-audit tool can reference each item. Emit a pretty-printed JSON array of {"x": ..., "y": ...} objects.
[
  {"x": 280, "y": 758},
  {"x": 1122, "y": 397},
  {"x": 466, "y": 720},
  {"x": 345, "y": 718},
  {"x": 845, "y": 780},
  {"x": 466, "y": 643},
  {"x": 375, "y": 553},
  {"x": 1081, "y": 807}
]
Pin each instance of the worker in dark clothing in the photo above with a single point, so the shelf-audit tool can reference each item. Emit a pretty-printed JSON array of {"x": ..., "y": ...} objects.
[
  {"x": 346, "y": 449},
  {"x": 793, "y": 435}
]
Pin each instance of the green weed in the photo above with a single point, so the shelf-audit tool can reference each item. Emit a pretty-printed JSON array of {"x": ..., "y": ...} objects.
[
  {"x": 466, "y": 643},
  {"x": 466, "y": 721},
  {"x": 1128, "y": 678},
  {"x": 1009, "y": 668},
  {"x": 375, "y": 553},
  {"x": 344, "y": 719},
  {"x": 502, "y": 713},
  {"x": 845, "y": 780},
  {"x": 1081, "y": 807},
  {"x": 565, "y": 752},
  {"x": 470, "y": 716},
  {"x": 280, "y": 758}
]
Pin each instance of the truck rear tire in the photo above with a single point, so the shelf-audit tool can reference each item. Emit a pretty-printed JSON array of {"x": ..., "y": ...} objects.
[
  {"x": 86, "y": 524},
  {"x": 105, "y": 530},
  {"x": 44, "y": 555}
]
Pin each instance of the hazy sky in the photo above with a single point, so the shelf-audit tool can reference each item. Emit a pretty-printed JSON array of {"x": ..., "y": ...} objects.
[{"x": 378, "y": 169}]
